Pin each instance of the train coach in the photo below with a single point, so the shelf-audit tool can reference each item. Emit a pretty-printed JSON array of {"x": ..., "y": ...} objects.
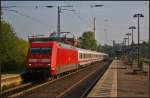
[
  {"x": 52, "y": 58},
  {"x": 87, "y": 56}
]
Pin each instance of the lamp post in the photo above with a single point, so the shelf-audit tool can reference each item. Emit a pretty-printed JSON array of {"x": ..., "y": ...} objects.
[
  {"x": 132, "y": 27},
  {"x": 125, "y": 43},
  {"x": 138, "y": 16},
  {"x": 128, "y": 34},
  {"x": 128, "y": 50},
  {"x": 124, "y": 49}
]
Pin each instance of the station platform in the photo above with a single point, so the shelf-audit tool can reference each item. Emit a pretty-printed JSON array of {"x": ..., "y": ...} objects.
[
  {"x": 5, "y": 76},
  {"x": 10, "y": 80},
  {"x": 120, "y": 81}
]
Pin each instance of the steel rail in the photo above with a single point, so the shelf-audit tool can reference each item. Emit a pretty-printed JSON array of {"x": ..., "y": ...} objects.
[
  {"x": 15, "y": 89},
  {"x": 25, "y": 91},
  {"x": 96, "y": 80},
  {"x": 70, "y": 90}
]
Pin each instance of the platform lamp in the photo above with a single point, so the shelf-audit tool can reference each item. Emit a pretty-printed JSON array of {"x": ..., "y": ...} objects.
[
  {"x": 125, "y": 42},
  {"x": 128, "y": 34},
  {"x": 138, "y": 16},
  {"x": 132, "y": 27}
]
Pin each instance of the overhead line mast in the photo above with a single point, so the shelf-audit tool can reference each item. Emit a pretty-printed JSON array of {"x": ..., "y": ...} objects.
[
  {"x": 58, "y": 24},
  {"x": 94, "y": 28}
]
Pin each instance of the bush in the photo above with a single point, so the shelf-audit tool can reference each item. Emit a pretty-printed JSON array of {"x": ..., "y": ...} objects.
[{"x": 13, "y": 49}]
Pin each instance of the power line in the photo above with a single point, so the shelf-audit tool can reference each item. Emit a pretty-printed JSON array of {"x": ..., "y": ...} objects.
[
  {"x": 95, "y": 5},
  {"x": 77, "y": 14},
  {"x": 27, "y": 16},
  {"x": 125, "y": 4},
  {"x": 15, "y": 6}
]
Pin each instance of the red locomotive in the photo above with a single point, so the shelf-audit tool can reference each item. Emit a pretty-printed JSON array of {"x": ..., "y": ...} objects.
[{"x": 51, "y": 58}]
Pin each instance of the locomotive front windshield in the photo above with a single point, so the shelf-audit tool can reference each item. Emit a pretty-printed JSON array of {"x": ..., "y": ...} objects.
[{"x": 40, "y": 50}]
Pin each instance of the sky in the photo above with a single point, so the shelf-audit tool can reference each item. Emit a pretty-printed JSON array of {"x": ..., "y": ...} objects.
[{"x": 112, "y": 20}]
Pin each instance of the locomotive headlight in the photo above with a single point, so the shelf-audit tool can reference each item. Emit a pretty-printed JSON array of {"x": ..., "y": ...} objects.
[
  {"x": 48, "y": 64},
  {"x": 29, "y": 64}
]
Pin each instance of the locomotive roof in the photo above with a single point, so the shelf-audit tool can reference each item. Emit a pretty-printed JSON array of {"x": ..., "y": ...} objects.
[
  {"x": 75, "y": 48},
  {"x": 66, "y": 46},
  {"x": 80, "y": 49}
]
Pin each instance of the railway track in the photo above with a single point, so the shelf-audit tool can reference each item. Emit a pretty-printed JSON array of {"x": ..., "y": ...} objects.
[
  {"x": 83, "y": 88},
  {"x": 55, "y": 88},
  {"x": 16, "y": 89}
]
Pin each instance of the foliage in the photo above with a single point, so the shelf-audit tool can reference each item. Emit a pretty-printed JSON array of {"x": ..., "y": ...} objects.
[
  {"x": 99, "y": 47},
  {"x": 12, "y": 49},
  {"x": 144, "y": 50},
  {"x": 88, "y": 41},
  {"x": 108, "y": 49}
]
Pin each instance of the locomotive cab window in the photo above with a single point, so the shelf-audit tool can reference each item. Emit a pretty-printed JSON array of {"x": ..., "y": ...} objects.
[{"x": 40, "y": 50}]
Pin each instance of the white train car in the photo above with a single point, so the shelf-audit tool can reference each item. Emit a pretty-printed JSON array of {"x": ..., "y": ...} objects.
[{"x": 87, "y": 56}]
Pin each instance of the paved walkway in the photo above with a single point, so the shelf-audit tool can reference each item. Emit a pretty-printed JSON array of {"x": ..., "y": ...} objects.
[
  {"x": 121, "y": 82},
  {"x": 132, "y": 85}
]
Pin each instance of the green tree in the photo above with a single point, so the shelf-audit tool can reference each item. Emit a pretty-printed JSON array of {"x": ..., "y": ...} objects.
[
  {"x": 88, "y": 41},
  {"x": 23, "y": 47},
  {"x": 144, "y": 50},
  {"x": 8, "y": 41},
  {"x": 108, "y": 49},
  {"x": 99, "y": 48},
  {"x": 12, "y": 48}
]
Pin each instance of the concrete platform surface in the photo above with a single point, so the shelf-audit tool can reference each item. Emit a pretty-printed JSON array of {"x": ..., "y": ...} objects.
[
  {"x": 120, "y": 81},
  {"x": 10, "y": 80},
  {"x": 4, "y": 76}
]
